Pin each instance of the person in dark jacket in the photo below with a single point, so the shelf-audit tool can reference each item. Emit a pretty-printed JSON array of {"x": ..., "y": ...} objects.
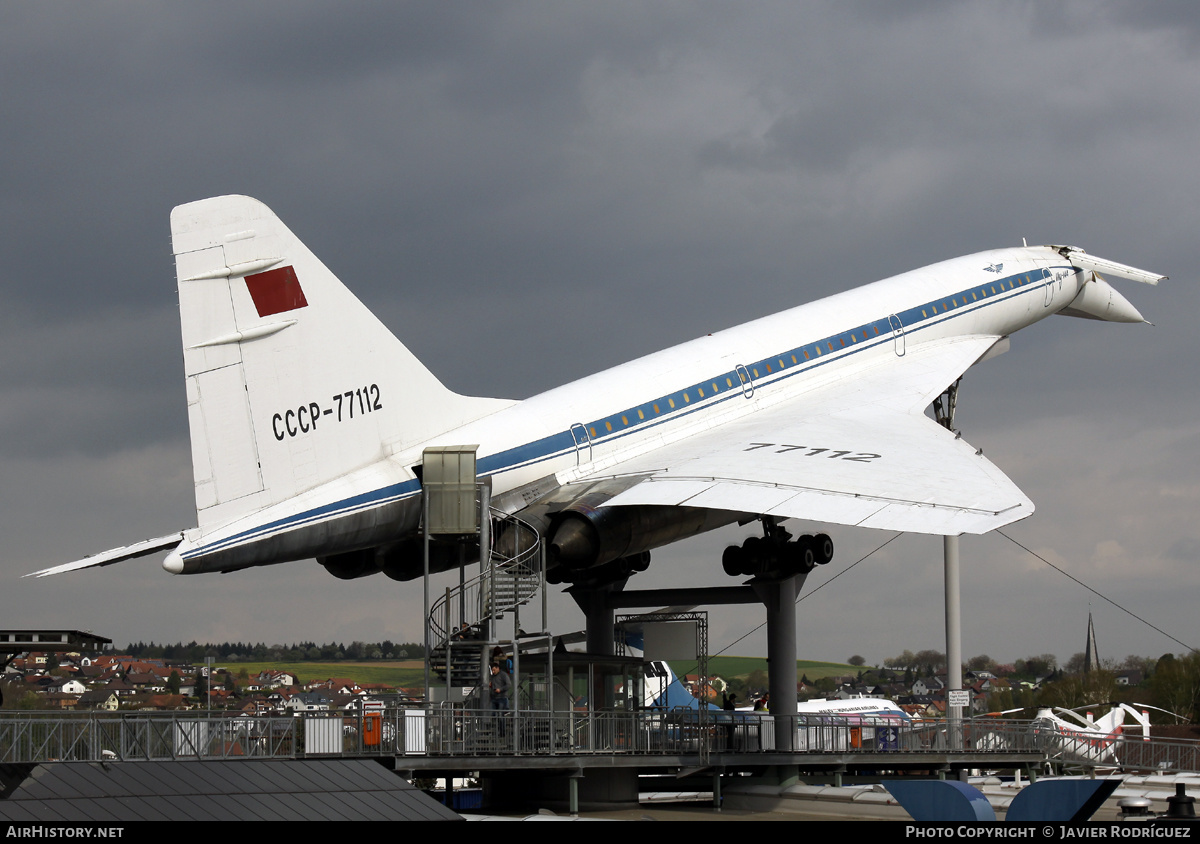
[{"x": 499, "y": 688}]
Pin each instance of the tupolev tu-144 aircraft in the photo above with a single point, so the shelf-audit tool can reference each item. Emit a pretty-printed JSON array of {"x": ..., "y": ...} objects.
[{"x": 309, "y": 419}]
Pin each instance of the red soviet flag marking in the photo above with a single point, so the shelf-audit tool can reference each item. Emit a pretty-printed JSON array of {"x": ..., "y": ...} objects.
[{"x": 276, "y": 291}]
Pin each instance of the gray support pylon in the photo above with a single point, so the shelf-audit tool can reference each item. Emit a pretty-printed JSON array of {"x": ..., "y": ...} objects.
[
  {"x": 944, "y": 407},
  {"x": 779, "y": 598},
  {"x": 600, "y": 620},
  {"x": 600, "y": 616},
  {"x": 954, "y": 675}
]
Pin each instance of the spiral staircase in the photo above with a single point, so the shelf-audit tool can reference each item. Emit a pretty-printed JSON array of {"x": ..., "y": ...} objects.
[{"x": 463, "y": 620}]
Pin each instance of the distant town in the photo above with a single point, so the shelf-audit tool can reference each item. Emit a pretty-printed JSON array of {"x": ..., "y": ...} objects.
[{"x": 178, "y": 677}]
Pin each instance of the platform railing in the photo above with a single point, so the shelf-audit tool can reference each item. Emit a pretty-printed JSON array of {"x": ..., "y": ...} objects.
[{"x": 455, "y": 732}]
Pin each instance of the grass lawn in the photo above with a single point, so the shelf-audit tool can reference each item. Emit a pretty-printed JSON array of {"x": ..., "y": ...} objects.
[
  {"x": 411, "y": 672},
  {"x": 397, "y": 672}
]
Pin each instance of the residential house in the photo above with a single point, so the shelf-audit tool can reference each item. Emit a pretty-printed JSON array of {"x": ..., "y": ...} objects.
[{"x": 101, "y": 699}]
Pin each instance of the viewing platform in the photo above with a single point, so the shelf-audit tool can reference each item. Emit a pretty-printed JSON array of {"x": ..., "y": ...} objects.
[{"x": 445, "y": 738}]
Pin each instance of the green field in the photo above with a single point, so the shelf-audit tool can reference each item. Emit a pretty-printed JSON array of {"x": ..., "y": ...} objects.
[
  {"x": 410, "y": 673},
  {"x": 407, "y": 672}
]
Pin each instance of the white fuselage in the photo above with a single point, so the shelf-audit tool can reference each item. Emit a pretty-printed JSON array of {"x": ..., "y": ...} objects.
[{"x": 577, "y": 431}]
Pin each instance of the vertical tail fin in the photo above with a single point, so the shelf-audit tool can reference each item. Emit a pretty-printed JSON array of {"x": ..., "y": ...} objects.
[{"x": 291, "y": 381}]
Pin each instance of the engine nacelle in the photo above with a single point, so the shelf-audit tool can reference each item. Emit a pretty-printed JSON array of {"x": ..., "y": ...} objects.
[
  {"x": 403, "y": 560},
  {"x": 614, "y": 570},
  {"x": 352, "y": 564},
  {"x": 587, "y": 534}
]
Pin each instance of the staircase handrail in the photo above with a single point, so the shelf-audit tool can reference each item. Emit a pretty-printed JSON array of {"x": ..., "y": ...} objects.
[{"x": 520, "y": 565}]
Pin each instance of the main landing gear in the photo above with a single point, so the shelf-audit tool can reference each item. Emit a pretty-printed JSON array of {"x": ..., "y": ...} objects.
[
  {"x": 776, "y": 554},
  {"x": 778, "y": 565}
]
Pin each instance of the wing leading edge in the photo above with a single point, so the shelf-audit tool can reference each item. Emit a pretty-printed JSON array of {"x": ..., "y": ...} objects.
[{"x": 858, "y": 452}]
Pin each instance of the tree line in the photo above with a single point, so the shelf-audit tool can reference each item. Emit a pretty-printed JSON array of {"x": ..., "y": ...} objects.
[{"x": 297, "y": 652}]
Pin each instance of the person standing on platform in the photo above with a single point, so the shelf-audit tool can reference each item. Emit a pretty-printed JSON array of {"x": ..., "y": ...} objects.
[{"x": 499, "y": 688}]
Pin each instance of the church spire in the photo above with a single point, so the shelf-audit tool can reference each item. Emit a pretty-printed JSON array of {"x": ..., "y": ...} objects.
[{"x": 1091, "y": 659}]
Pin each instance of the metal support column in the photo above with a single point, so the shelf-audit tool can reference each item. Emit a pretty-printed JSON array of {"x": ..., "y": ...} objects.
[
  {"x": 600, "y": 620},
  {"x": 954, "y": 675},
  {"x": 779, "y": 598},
  {"x": 600, "y": 614},
  {"x": 944, "y": 407}
]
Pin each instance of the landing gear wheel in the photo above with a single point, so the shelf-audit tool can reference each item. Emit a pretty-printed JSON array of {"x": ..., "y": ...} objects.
[{"x": 823, "y": 548}]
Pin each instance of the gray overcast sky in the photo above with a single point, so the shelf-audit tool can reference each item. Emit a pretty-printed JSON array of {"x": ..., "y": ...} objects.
[{"x": 530, "y": 192}]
